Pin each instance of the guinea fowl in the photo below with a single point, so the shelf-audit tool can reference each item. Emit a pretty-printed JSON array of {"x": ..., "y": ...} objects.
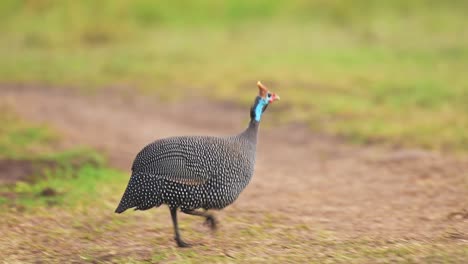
[{"x": 195, "y": 172}]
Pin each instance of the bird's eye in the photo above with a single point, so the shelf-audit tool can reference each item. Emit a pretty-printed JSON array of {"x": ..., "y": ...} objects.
[{"x": 268, "y": 94}]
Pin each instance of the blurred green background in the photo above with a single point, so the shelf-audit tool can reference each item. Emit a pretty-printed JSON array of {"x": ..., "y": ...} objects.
[
  {"x": 386, "y": 72},
  {"x": 372, "y": 71}
]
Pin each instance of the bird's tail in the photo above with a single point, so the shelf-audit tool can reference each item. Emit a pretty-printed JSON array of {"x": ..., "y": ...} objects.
[
  {"x": 121, "y": 208},
  {"x": 127, "y": 200},
  {"x": 135, "y": 194}
]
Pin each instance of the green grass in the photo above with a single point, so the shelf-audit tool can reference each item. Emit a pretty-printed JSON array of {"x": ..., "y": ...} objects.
[
  {"x": 68, "y": 178},
  {"x": 56, "y": 177},
  {"x": 19, "y": 139},
  {"x": 372, "y": 71},
  {"x": 70, "y": 174}
]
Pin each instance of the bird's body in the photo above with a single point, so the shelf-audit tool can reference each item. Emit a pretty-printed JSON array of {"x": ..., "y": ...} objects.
[
  {"x": 195, "y": 172},
  {"x": 191, "y": 172}
]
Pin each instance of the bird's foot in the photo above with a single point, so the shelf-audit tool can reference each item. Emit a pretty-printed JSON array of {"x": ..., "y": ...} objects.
[
  {"x": 211, "y": 222},
  {"x": 181, "y": 243}
]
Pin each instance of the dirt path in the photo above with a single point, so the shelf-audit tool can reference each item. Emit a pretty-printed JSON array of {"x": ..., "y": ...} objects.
[{"x": 315, "y": 180}]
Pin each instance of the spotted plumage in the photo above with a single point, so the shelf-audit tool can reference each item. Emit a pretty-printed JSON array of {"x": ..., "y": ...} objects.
[{"x": 195, "y": 172}]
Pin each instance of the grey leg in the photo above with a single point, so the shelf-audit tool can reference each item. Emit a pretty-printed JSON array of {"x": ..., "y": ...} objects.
[
  {"x": 210, "y": 219},
  {"x": 177, "y": 238}
]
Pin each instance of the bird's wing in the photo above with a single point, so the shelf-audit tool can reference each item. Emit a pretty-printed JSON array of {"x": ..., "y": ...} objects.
[{"x": 180, "y": 159}]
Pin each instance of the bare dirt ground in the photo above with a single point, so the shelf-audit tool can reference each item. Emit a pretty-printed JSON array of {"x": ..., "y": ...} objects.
[{"x": 307, "y": 179}]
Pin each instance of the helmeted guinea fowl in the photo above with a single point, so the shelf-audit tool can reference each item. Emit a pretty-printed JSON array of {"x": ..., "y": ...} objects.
[{"x": 193, "y": 172}]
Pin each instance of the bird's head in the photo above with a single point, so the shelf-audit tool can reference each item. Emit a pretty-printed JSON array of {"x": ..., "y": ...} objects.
[{"x": 264, "y": 98}]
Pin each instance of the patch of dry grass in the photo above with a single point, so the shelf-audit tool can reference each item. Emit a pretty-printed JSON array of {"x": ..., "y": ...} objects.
[{"x": 96, "y": 235}]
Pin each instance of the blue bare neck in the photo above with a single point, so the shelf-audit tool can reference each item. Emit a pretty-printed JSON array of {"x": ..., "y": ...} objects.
[{"x": 259, "y": 108}]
